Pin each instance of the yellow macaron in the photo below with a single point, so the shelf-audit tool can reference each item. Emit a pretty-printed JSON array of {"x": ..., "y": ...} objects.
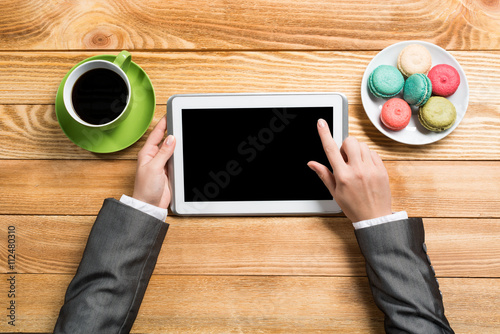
[{"x": 414, "y": 58}]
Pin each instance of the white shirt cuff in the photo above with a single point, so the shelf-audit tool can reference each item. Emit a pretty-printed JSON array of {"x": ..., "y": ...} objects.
[
  {"x": 147, "y": 208},
  {"x": 380, "y": 220}
]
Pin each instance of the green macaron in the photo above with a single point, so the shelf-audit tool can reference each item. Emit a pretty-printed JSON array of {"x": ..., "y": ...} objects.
[
  {"x": 438, "y": 114},
  {"x": 417, "y": 89},
  {"x": 386, "y": 81}
]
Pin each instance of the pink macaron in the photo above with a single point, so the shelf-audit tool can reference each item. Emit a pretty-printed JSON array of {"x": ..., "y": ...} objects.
[
  {"x": 445, "y": 80},
  {"x": 396, "y": 114}
]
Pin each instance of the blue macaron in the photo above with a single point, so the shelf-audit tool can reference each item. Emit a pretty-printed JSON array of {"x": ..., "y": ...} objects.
[
  {"x": 386, "y": 81},
  {"x": 417, "y": 89}
]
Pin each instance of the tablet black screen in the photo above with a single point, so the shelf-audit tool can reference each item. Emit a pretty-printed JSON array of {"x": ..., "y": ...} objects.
[{"x": 253, "y": 154}]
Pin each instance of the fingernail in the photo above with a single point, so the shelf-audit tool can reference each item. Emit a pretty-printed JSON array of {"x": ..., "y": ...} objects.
[
  {"x": 321, "y": 123},
  {"x": 169, "y": 140},
  {"x": 309, "y": 164}
]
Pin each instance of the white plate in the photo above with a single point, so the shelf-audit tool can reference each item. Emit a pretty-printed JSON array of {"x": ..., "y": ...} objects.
[{"x": 414, "y": 133}]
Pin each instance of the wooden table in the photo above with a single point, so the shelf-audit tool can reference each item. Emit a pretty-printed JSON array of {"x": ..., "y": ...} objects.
[{"x": 239, "y": 274}]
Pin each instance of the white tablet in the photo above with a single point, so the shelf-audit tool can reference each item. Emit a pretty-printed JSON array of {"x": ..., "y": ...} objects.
[{"x": 247, "y": 154}]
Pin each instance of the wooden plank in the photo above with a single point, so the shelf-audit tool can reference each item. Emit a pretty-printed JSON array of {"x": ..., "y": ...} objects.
[
  {"x": 32, "y": 132},
  {"x": 62, "y": 186},
  {"x": 476, "y": 137},
  {"x": 33, "y": 77},
  {"x": 463, "y": 247},
  {"x": 306, "y": 246},
  {"x": 257, "y": 24},
  {"x": 471, "y": 316},
  {"x": 78, "y": 187},
  {"x": 264, "y": 304}
]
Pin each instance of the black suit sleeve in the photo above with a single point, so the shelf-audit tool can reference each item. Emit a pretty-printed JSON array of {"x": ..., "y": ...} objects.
[
  {"x": 401, "y": 277},
  {"x": 120, "y": 256}
]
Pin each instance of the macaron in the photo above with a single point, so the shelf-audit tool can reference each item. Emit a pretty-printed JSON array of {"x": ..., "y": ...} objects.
[
  {"x": 385, "y": 81},
  {"x": 417, "y": 89},
  {"x": 445, "y": 80},
  {"x": 438, "y": 114},
  {"x": 396, "y": 114},
  {"x": 414, "y": 58}
]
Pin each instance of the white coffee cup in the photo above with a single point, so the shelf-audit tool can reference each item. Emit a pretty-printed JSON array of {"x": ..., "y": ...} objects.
[{"x": 119, "y": 66}]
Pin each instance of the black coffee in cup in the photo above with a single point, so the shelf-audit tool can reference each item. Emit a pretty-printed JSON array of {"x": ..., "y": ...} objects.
[{"x": 99, "y": 96}]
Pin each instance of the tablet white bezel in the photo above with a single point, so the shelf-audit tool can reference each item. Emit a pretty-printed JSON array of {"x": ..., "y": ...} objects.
[{"x": 177, "y": 103}]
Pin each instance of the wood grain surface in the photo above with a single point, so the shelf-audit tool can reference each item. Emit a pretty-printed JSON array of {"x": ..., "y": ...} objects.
[
  {"x": 422, "y": 188},
  {"x": 34, "y": 77},
  {"x": 32, "y": 132},
  {"x": 264, "y": 304},
  {"x": 254, "y": 24},
  {"x": 247, "y": 274},
  {"x": 298, "y": 246}
]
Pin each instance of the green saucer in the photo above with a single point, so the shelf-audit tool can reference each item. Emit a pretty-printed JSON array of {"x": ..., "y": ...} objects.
[{"x": 127, "y": 132}]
